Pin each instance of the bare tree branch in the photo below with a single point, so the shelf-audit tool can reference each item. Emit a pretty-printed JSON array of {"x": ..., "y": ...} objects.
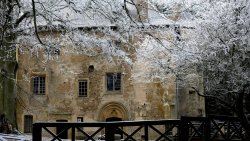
[{"x": 35, "y": 25}]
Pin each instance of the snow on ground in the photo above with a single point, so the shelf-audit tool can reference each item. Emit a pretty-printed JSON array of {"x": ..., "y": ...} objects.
[{"x": 12, "y": 137}]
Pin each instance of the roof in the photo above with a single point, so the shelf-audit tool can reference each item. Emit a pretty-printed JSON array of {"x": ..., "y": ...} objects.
[{"x": 93, "y": 13}]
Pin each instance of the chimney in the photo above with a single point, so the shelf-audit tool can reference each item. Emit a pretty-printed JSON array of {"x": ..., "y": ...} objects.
[
  {"x": 176, "y": 15},
  {"x": 142, "y": 10}
]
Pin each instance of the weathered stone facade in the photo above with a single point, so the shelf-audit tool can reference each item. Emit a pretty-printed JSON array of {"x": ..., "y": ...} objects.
[{"x": 61, "y": 101}]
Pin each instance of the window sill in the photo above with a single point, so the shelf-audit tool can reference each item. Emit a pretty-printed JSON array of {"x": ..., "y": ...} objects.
[
  {"x": 82, "y": 96},
  {"x": 114, "y": 92},
  {"x": 39, "y": 94}
]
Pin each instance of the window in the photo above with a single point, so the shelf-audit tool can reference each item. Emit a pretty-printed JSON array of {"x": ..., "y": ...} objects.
[
  {"x": 83, "y": 88},
  {"x": 28, "y": 121},
  {"x": 113, "y": 81},
  {"x": 39, "y": 85},
  {"x": 79, "y": 119}
]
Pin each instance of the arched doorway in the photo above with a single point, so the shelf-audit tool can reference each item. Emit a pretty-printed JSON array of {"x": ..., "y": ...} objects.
[
  {"x": 113, "y": 111},
  {"x": 117, "y": 133}
]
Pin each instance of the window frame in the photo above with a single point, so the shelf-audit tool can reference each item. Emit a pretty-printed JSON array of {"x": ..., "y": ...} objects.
[
  {"x": 87, "y": 87},
  {"x": 40, "y": 85},
  {"x": 27, "y": 126},
  {"x": 113, "y": 83},
  {"x": 79, "y": 119}
]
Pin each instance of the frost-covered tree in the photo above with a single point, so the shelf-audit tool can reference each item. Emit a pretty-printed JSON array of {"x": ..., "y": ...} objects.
[
  {"x": 214, "y": 43},
  {"x": 50, "y": 25},
  {"x": 8, "y": 23},
  {"x": 174, "y": 37},
  {"x": 26, "y": 21},
  {"x": 223, "y": 41}
]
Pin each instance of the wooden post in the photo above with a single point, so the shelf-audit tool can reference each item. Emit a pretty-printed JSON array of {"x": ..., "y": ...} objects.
[
  {"x": 36, "y": 132},
  {"x": 146, "y": 132},
  {"x": 110, "y": 132},
  {"x": 73, "y": 135},
  {"x": 207, "y": 129},
  {"x": 183, "y": 130}
]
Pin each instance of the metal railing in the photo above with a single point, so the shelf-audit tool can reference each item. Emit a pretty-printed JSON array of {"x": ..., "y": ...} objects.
[
  {"x": 212, "y": 128},
  {"x": 186, "y": 129}
]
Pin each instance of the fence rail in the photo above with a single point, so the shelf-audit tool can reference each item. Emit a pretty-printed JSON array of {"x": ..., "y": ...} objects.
[{"x": 213, "y": 128}]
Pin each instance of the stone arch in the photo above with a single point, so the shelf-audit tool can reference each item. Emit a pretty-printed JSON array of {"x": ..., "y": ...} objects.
[{"x": 113, "y": 109}]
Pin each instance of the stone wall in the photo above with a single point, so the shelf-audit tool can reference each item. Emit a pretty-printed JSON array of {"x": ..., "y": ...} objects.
[
  {"x": 62, "y": 71},
  {"x": 61, "y": 100}
]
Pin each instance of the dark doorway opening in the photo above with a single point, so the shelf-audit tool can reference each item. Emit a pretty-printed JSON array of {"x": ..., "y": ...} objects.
[
  {"x": 64, "y": 134},
  {"x": 118, "y": 133},
  {"x": 113, "y": 119}
]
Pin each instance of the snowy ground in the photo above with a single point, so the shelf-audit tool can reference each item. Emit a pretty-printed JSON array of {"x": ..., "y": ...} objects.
[{"x": 12, "y": 137}]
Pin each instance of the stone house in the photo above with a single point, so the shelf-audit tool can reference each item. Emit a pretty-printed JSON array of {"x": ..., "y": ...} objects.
[{"x": 73, "y": 87}]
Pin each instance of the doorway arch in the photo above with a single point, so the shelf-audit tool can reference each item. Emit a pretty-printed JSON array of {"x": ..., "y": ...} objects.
[{"x": 113, "y": 111}]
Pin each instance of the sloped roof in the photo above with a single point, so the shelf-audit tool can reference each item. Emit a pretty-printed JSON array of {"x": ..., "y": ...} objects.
[{"x": 89, "y": 13}]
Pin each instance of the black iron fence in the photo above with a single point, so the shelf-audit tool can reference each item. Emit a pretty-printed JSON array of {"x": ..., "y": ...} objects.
[{"x": 212, "y": 128}]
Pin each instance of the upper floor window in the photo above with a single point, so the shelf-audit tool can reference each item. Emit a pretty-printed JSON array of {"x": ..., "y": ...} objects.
[
  {"x": 28, "y": 121},
  {"x": 83, "y": 88},
  {"x": 113, "y": 81},
  {"x": 38, "y": 85}
]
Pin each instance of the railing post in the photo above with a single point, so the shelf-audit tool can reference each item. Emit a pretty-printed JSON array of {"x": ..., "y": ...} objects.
[
  {"x": 37, "y": 132},
  {"x": 183, "y": 130},
  {"x": 207, "y": 128},
  {"x": 146, "y": 132},
  {"x": 109, "y": 132},
  {"x": 73, "y": 134},
  {"x": 228, "y": 130}
]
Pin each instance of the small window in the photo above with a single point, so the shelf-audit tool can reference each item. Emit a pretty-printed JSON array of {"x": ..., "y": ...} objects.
[
  {"x": 38, "y": 85},
  {"x": 79, "y": 119},
  {"x": 113, "y": 81},
  {"x": 28, "y": 121},
  {"x": 83, "y": 88}
]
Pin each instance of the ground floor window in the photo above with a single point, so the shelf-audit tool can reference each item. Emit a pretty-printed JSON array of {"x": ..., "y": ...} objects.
[
  {"x": 79, "y": 119},
  {"x": 28, "y": 121}
]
